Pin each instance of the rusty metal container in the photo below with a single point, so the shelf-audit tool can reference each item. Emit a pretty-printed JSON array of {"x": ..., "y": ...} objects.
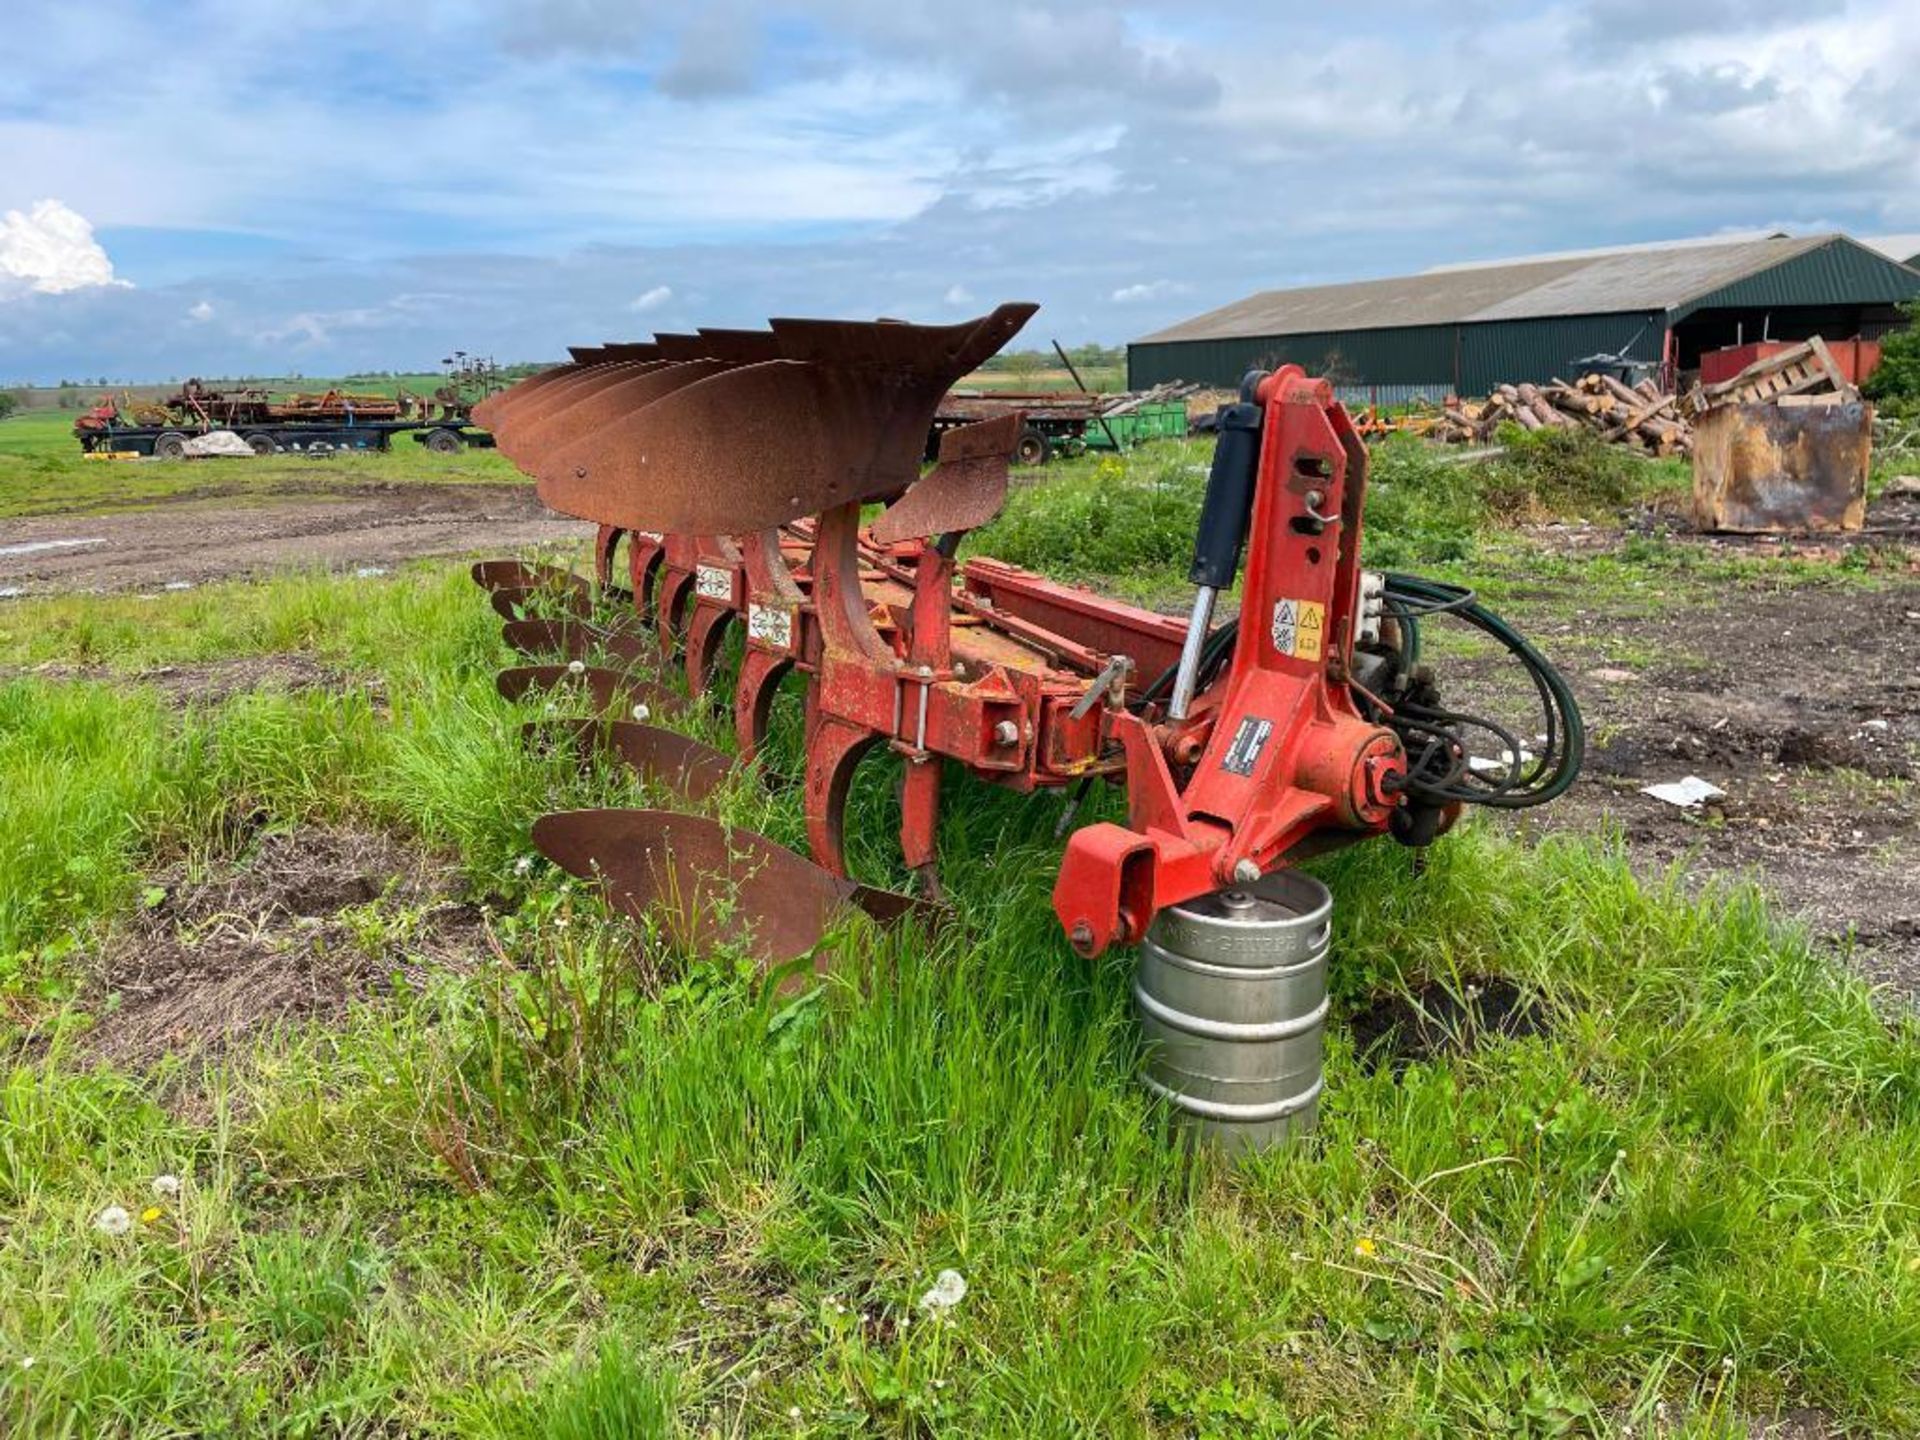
[
  {"x": 1774, "y": 468},
  {"x": 1231, "y": 991}
]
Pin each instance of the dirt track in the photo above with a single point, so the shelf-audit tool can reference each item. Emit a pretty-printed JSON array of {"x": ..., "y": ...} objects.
[
  {"x": 194, "y": 539},
  {"x": 1801, "y": 703}
]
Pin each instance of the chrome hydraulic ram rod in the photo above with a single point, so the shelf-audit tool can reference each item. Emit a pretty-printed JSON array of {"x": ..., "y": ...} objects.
[{"x": 1224, "y": 516}]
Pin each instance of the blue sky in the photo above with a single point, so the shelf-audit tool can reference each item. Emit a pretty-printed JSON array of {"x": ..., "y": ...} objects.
[{"x": 367, "y": 185}]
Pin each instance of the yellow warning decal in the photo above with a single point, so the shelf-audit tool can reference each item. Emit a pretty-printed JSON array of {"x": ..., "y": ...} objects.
[{"x": 1311, "y": 632}]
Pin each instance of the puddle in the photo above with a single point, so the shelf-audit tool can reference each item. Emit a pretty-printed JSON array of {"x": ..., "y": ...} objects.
[{"x": 36, "y": 547}]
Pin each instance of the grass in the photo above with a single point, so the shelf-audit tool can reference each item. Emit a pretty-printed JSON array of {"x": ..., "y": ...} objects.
[
  {"x": 43, "y": 472},
  {"x": 1124, "y": 523},
  {"x": 592, "y": 1187}
]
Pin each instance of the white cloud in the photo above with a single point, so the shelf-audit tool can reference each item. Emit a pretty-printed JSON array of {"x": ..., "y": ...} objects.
[
  {"x": 652, "y": 299},
  {"x": 1147, "y": 290},
  {"x": 959, "y": 295},
  {"x": 50, "y": 250},
  {"x": 202, "y": 311}
]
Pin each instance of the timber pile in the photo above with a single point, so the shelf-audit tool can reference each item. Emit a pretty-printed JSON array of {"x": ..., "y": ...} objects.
[{"x": 1638, "y": 416}]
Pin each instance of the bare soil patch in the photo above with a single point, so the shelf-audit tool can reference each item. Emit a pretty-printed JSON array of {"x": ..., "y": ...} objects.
[
  {"x": 1396, "y": 1030},
  {"x": 194, "y": 538},
  {"x": 304, "y": 925},
  {"x": 207, "y": 682},
  {"x": 1802, "y": 704}
]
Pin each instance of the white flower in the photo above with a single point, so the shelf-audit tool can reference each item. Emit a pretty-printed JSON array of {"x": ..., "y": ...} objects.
[
  {"x": 114, "y": 1220},
  {"x": 26, "y": 1362},
  {"x": 576, "y": 667},
  {"x": 949, "y": 1289},
  {"x": 640, "y": 713},
  {"x": 523, "y": 865},
  {"x": 793, "y": 1411},
  {"x": 166, "y": 1187}
]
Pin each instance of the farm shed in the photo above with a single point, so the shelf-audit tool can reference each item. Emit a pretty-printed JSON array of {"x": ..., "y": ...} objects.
[{"x": 1467, "y": 328}]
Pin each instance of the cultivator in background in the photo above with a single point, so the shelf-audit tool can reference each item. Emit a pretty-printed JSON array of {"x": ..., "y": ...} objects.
[{"x": 732, "y": 475}]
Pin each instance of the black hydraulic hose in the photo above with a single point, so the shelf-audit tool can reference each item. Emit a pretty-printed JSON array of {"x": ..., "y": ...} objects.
[{"x": 1564, "y": 749}]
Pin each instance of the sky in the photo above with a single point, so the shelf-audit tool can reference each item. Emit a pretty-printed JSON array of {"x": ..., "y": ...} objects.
[{"x": 246, "y": 186}]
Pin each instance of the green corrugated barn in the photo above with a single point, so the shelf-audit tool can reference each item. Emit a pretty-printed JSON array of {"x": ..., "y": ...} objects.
[{"x": 1467, "y": 328}]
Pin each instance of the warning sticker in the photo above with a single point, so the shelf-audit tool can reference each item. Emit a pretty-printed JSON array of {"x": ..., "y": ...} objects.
[
  {"x": 1313, "y": 624},
  {"x": 1286, "y": 625},
  {"x": 1248, "y": 741},
  {"x": 713, "y": 582},
  {"x": 770, "y": 626},
  {"x": 1299, "y": 628}
]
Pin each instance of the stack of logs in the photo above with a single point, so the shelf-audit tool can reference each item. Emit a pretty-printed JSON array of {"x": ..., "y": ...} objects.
[{"x": 1634, "y": 415}]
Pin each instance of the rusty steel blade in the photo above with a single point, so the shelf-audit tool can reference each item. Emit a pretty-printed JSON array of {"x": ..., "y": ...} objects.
[
  {"x": 682, "y": 347},
  {"x": 632, "y": 350},
  {"x": 518, "y": 604},
  {"x": 675, "y": 762},
  {"x": 613, "y": 694},
  {"x": 527, "y": 575},
  {"x": 765, "y": 443},
  {"x": 587, "y": 354},
  {"x": 743, "y": 347},
  {"x": 516, "y": 408},
  {"x": 894, "y": 345},
  {"x": 521, "y": 410},
  {"x": 541, "y": 636},
  {"x": 484, "y": 412},
  {"x": 537, "y": 636},
  {"x": 964, "y": 491},
  {"x": 582, "y": 411},
  {"x": 705, "y": 883},
  {"x": 512, "y": 583}
]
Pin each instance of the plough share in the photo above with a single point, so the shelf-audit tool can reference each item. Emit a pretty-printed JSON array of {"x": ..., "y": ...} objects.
[{"x": 732, "y": 477}]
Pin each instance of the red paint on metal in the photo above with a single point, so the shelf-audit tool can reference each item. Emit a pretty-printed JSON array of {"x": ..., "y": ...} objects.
[
  {"x": 985, "y": 666},
  {"x": 1857, "y": 358}
]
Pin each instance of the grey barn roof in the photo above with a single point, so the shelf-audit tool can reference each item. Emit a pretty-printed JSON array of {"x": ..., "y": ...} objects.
[{"x": 1642, "y": 278}]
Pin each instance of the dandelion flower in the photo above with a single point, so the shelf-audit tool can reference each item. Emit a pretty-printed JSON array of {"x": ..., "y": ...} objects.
[
  {"x": 114, "y": 1220},
  {"x": 26, "y": 1362},
  {"x": 640, "y": 713},
  {"x": 150, "y": 1214},
  {"x": 949, "y": 1289},
  {"x": 1365, "y": 1247},
  {"x": 576, "y": 667},
  {"x": 524, "y": 865},
  {"x": 793, "y": 1412},
  {"x": 167, "y": 1187}
]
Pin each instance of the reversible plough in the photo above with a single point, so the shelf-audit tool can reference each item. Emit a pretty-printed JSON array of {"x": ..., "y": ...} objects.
[{"x": 735, "y": 478}]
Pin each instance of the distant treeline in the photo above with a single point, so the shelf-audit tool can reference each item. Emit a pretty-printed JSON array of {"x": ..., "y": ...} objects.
[{"x": 1084, "y": 357}]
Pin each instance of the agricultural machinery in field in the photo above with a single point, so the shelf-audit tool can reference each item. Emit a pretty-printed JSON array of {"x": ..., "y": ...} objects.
[
  {"x": 316, "y": 423},
  {"x": 736, "y": 478}
]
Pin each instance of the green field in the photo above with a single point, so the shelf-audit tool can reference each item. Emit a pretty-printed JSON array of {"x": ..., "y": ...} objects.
[
  {"x": 577, "y": 1184},
  {"x": 43, "y": 472}
]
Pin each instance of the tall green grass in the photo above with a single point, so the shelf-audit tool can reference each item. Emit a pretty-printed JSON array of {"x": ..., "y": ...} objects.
[{"x": 597, "y": 1186}]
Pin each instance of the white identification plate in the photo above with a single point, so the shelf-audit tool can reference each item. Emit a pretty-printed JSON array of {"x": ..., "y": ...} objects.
[{"x": 713, "y": 582}]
